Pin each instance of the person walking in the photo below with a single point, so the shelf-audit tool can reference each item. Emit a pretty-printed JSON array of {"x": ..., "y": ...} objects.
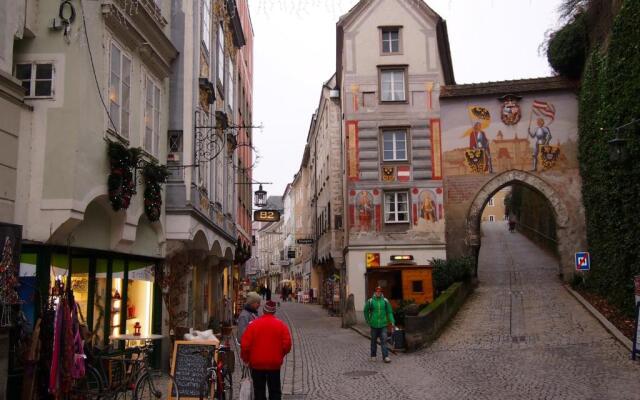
[
  {"x": 264, "y": 344},
  {"x": 268, "y": 293},
  {"x": 249, "y": 313},
  {"x": 379, "y": 315}
]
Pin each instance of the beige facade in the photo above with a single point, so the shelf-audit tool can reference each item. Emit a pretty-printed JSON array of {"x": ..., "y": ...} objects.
[
  {"x": 392, "y": 58},
  {"x": 494, "y": 210}
]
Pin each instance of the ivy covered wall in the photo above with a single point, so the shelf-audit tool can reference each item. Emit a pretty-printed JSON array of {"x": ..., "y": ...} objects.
[{"x": 609, "y": 98}]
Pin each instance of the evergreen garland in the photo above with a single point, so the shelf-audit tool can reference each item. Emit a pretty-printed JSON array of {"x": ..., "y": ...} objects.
[
  {"x": 121, "y": 184},
  {"x": 154, "y": 176}
]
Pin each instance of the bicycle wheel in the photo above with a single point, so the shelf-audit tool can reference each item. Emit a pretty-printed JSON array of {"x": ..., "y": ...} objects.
[
  {"x": 156, "y": 385},
  {"x": 89, "y": 387},
  {"x": 227, "y": 387}
]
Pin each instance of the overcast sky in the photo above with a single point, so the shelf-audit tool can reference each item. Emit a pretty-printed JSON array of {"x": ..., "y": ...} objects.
[{"x": 294, "y": 53}]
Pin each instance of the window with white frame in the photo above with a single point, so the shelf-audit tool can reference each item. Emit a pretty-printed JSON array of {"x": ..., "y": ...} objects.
[
  {"x": 206, "y": 24},
  {"x": 220, "y": 54},
  {"x": 390, "y": 40},
  {"x": 491, "y": 202},
  {"x": 492, "y": 218},
  {"x": 392, "y": 85},
  {"x": 151, "y": 117},
  {"x": 230, "y": 87},
  {"x": 394, "y": 145},
  {"x": 119, "y": 90},
  {"x": 396, "y": 207},
  {"x": 36, "y": 78}
]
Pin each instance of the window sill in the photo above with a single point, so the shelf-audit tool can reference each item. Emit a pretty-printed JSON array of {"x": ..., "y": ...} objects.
[
  {"x": 393, "y": 102},
  {"x": 396, "y": 222},
  {"x": 396, "y": 53},
  {"x": 394, "y": 162},
  {"x": 117, "y": 136},
  {"x": 52, "y": 97}
]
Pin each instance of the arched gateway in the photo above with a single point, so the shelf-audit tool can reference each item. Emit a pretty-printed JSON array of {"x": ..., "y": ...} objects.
[
  {"x": 499, "y": 134},
  {"x": 538, "y": 184}
]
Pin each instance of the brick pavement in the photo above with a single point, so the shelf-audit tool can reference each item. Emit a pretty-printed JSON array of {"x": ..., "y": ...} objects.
[{"x": 520, "y": 336}]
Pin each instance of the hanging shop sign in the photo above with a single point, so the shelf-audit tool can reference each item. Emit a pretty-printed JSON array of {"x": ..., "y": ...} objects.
[
  {"x": 266, "y": 215},
  {"x": 304, "y": 241}
]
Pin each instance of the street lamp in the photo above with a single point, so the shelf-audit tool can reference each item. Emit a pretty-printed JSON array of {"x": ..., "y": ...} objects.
[
  {"x": 260, "y": 197},
  {"x": 619, "y": 147}
]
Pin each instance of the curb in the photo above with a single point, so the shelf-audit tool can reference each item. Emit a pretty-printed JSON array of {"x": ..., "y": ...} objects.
[
  {"x": 359, "y": 331},
  {"x": 625, "y": 341}
]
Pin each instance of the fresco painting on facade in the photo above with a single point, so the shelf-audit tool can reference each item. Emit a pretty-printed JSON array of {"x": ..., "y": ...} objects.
[
  {"x": 352, "y": 150},
  {"x": 364, "y": 210},
  {"x": 489, "y": 148},
  {"x": 373, "y": 260},
  {"x": 436, "y": 149}
]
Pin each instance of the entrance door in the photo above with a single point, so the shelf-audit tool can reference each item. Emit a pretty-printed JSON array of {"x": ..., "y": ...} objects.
[{"x": 389, "y": 280}]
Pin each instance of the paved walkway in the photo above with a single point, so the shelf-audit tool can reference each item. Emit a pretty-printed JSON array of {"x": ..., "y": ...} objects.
[{"x": 520, "y": 336}]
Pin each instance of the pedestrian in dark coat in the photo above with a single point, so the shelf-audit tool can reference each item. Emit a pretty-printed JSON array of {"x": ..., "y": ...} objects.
[
  {"x": 268, "y": 293},
  {"x": 264, "y": 344}
]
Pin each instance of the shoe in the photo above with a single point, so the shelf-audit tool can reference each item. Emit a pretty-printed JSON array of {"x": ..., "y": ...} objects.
[
  {"x": 373, "y": 358},
  {"x": 387, "y": 360}
]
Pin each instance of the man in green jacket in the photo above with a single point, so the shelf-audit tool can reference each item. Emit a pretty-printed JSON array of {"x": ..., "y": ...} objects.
[{"x": 379, "y": 316}]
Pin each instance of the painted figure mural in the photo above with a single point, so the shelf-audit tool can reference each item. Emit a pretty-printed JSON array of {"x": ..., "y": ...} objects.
[
  {"x": 541, "y": 134},
  {"x": 541, "y": 139},
  {"x": 364, "y": 210},
  {"x": 479, "y": 154},
  {"x": 428, "y": 207}
]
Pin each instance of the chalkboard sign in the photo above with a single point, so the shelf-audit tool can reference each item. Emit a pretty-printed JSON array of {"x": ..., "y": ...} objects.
[{"x": 188, "y": 369}]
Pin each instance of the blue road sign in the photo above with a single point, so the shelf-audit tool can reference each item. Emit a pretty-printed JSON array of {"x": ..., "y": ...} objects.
[{"x": 583, "y": 261}]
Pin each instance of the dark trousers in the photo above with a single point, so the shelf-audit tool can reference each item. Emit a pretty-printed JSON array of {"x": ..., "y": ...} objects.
[
  {"x": 270, "y": 379},
  {"x": 382, "y": 334}
]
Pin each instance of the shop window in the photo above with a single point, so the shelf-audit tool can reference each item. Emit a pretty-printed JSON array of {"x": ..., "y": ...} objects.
[
  {"x": 99, "y": 301},
  {"x": 416, "y": 287},
  {"x": 139, "y": 302}
]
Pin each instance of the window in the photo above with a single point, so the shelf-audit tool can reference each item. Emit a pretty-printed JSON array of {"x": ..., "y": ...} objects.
[
  {"x": 151, "y": 117},
  {"x": 206, "y": 24},
  {"x": 230, "y": 88},
  {"x": 394, "y": 144},
  {"x": 492, "y": 218},
  {"x": 220, "y": 54},
  {"x": 119, "y": 91},
  {"x": 396, "y": 207},
  {"x": 390, "y": 40},
  {"x": 416, "y": 287},
  {"x": 491, "y": 202},
  {"x": 37, "y": 78},
  {"x": 392, "y": 87}
]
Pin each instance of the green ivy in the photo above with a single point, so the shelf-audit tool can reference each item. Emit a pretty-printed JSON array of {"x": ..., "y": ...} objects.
[
  {"x": 610, "y": 97},
  {"x": 446, "y": 272}
]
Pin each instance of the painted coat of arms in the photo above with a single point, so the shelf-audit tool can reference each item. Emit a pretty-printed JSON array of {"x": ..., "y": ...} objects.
[
  {"x": 388, "y": 174},
  {"x": 549, "y": 155},
  {"x": 511, "y": 112},
  {"x": 475, "y": 160}
]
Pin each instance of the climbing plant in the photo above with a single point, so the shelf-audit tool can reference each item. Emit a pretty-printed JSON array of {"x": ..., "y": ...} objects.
[
  {"x": 154, "y": 176},
  {"x": 121, "y": 183},
  {"x": 608, "y": 99}
]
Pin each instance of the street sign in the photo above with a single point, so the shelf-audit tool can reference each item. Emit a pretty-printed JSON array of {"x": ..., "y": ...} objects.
[
  {"x": 304, "y": 241},
  {"x": 266, "y": 215},
  {"x": 583, "y": 261}
]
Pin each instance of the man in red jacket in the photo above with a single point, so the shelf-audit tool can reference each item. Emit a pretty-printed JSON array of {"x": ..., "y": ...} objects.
[{"x": 264, "y": 344}]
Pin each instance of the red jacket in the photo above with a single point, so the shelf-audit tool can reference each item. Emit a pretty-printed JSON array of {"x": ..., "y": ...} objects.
[{"x": 265, "y": 343}]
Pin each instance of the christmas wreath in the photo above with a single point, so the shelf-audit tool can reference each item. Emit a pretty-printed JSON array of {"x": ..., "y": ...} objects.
[
  {"x": 121, "y": 183},
  {"x": 154, "y": 176}
]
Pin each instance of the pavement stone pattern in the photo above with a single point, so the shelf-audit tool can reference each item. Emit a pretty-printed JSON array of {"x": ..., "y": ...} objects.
[{"x": 519, "y": 336}]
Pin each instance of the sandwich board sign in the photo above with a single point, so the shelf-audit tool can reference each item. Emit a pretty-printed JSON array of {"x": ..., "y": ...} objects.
[{"x": 583, "y": 261}]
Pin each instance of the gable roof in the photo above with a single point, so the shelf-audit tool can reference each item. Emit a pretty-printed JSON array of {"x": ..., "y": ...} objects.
[{"x": 442, "y": 36}]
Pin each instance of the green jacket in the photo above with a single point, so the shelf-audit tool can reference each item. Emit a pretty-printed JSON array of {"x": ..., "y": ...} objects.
[{"x": 378, "y": 312}]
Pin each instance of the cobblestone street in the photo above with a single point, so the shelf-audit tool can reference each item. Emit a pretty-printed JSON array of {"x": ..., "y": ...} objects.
[{"x": 520, "y": 336}]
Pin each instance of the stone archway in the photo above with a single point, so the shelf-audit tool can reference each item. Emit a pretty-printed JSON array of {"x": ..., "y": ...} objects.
[{"x": 561, "y": 213}]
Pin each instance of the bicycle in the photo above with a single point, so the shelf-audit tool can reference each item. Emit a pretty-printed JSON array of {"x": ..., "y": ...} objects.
[
  {"x": 218, "y": 384},
  {"x": 124, "y": 375}
]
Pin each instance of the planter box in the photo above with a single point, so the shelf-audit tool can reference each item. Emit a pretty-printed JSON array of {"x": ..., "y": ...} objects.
[{"x": 426, "y": 326}]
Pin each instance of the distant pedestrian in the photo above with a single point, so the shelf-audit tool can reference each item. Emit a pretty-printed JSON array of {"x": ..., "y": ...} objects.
[
  {"x": 284, "y": 294},
  {"x": 268, "y": 293},
  {"x": 379, "y": 316},
  {"x": 248, "y": 313},
  {"x": 264, "y": 344}
]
